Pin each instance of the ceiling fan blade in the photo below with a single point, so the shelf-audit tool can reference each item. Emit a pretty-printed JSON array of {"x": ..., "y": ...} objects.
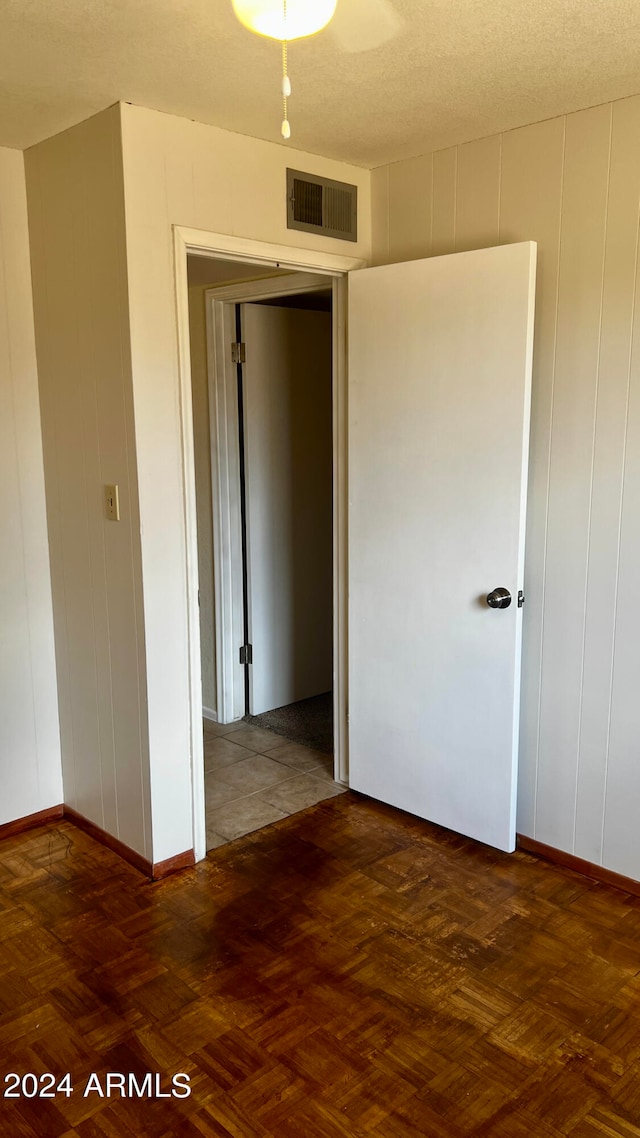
[{"x": 362, "y": 25}]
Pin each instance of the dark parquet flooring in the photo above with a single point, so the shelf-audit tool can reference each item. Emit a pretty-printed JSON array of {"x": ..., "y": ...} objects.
[{"x": 348, "y": 971}]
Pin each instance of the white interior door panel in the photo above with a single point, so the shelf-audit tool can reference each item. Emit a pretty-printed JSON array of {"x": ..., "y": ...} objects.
[{"x": 440, "y": 354}]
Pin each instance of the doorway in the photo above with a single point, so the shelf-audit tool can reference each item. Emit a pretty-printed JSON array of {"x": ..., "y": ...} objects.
[
  {"x": 261, "y": 352},
  {"x": 269, "y": 256},
  {"x": 483, "y": 351}
]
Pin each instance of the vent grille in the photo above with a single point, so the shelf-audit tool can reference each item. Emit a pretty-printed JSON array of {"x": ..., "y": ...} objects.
[
  {"x": 307, "y": 202},
  {"x": 319, "y": 205}
]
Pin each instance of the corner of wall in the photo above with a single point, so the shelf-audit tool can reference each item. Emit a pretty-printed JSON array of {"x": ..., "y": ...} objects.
[
  {"x": 380, "y": 215},
  {"x": 76, "y": 213}
]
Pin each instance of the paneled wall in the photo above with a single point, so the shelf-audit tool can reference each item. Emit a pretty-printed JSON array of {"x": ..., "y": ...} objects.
[
  {"x": 30, "y": 769},
  {"x": 76, "y": 217},
  {"x": 184, "y": 173},
  {"x": 573, "y": 185}
]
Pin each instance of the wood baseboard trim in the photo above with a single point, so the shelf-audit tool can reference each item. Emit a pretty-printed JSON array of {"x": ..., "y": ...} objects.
[
  {"x": 173, "y": 864},
  {"x": 208, "y": 713},
  {"x": 580, "y": 865},
  {"x": 57, "y": 813},
  {"x": 108, "y": 840},
  {"x": 31, "y": 821},
  {"x": 155, "y": 871}
]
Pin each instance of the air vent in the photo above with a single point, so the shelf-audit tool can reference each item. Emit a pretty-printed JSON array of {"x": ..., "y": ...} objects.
[{"x": 318, "y": 205}]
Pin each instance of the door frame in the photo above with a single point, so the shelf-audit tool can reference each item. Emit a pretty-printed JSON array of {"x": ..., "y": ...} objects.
[
  {"x": 220, "y": 304},
  {"x": 203, "y": 243}
]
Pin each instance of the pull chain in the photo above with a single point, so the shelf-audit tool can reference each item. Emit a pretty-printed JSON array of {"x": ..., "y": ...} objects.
[{"x": 286, "y": 82}]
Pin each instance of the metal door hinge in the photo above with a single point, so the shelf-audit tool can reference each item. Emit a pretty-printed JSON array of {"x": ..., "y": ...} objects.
[
  {"x": 238, "y": 353},
  {"x": 246, "y": 654},
  {"x": 520, "y": 598}
]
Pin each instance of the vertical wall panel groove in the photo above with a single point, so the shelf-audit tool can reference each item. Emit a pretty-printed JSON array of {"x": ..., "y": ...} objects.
[
  {"x": 409, "y": 199},
  {"x": 619, "y": 274},
  {"x": 443, "y": 237},
  {"x": 432, "y": 191},
  {"x": 543, "y": 591},
  {"x": 621, "y": 838},
  {"x": 455, "y": 197},
  {"x": 477, "y": 194},
  {"x": 618, "y": 545},
  {"x": 380, "y": 215},
  {"x": 591, "y": 489}
]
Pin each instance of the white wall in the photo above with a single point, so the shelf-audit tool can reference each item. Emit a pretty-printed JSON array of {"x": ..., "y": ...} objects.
[
  {"x": 573, "y": 185},
  {"x": 184, "y": 173},
  {"x": 30, "y": 768},
  {"x": 76, "y": 215}
]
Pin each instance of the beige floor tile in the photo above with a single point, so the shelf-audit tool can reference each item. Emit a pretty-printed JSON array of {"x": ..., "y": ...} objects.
[
  {"x": 244, "y": 816},
  {"x": 299, "y": 792},
  {"x": 217, "y": 792},
  {"x": 222, "y": 752},
  {"x": 214, "y": 840},
  {"x": 256, "y": 738},
  {"x": 254, "y": 777},
  {"x": 211, "y": 729},
  {"x": 325, "y": 769},
  {"x": 296, "y": 756},
  {"x": 254, "y": 774}
]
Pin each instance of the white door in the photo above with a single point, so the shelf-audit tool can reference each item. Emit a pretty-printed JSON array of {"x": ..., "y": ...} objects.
[
  {"x": 439, "y": 391},
  {"x": 288, "y": 479}
]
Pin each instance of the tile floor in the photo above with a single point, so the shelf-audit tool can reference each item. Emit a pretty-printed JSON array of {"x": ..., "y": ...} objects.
[{"x": 254, "y": 777}]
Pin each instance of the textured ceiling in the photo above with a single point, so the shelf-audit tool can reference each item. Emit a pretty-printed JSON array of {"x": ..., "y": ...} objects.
[{"x": 457, "y": 69}]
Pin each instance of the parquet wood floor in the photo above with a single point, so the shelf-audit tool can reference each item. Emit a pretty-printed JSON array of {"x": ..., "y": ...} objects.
[{"x": 349, "y": 971}]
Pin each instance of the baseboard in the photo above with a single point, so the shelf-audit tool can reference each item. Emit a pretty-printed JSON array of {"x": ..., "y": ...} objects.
[
  {"x": 108, "y": 840},
  {"x": 579, "y": 864},
  {"x": 207, "y": 713},
  {"x": 31, "y": 821},
  {"x": 173, "y": 864},
  {"x": 57, "y": 813},
  {"x": 154, "y": 871}
]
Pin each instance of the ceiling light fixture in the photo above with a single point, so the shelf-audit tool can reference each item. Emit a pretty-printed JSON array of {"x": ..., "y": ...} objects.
[{"x": 285, "y": 20}]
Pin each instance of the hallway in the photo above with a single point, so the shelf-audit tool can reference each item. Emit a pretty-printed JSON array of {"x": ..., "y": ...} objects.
[{"x": 254, "y": 777}]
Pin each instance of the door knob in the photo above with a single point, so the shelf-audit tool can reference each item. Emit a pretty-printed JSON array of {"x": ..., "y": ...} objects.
[{"x": 499, "y": 599}]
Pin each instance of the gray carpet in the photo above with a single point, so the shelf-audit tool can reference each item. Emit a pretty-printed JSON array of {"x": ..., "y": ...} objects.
[{"x": 309, "y": 722}]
